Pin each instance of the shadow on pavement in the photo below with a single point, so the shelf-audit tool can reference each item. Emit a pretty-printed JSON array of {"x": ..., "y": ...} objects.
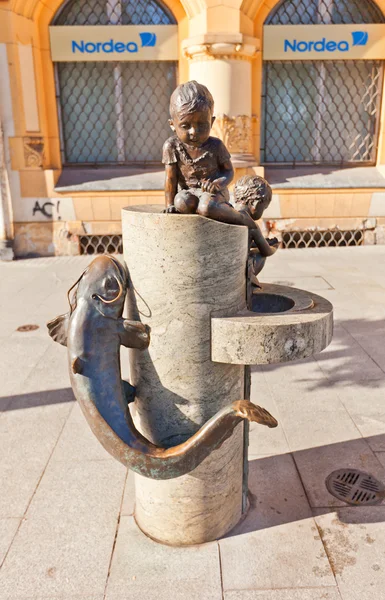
[{"x": 35, "y": 399}]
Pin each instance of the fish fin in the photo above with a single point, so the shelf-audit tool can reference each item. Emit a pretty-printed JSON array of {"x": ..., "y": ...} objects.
[
  {"x": 129, "y": 391},
  {"x": 77, "y": 365},
  {"x": 133, "y": 334},
  {"x": 58, "y": 329}
]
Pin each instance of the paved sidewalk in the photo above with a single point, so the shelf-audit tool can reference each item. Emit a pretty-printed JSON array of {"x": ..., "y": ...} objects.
[{"x": 66, "y": 525}]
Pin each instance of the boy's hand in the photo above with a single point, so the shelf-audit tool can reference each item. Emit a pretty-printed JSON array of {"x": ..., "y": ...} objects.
[
  {"x": 170, "y": 209},
  {"x": 273, "y": 242},
  {"x": 213, "y": 186}
]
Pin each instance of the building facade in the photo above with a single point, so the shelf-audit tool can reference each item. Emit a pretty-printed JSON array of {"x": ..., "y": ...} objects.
[{"x": 84, "y": 93}]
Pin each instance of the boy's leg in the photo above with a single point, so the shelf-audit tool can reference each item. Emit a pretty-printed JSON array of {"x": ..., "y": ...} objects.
[
  {"x": 214, "y": 207},
  {"x": 186, "y": 203}
]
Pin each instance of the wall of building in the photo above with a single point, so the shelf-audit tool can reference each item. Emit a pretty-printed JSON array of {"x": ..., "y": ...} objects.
[{"x": 220, "y": 45}]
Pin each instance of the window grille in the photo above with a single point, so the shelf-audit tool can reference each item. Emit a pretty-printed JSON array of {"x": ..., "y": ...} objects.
[
  {"x": 114, "y": 112},
  {"x": 321, "y": 112},
  {"x": 114, "y": 12},
  {"x": 325, "y": 12}
]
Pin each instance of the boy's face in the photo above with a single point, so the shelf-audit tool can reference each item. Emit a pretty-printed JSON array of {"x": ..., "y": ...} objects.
[
  {"x": 194, "y": 128},
  {"x": 257, "y": 208}
]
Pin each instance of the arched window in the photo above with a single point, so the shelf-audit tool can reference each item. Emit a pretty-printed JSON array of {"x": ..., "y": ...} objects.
[
  {"x": 322, "y": 112},
  {"x": 114, "y": 112}
]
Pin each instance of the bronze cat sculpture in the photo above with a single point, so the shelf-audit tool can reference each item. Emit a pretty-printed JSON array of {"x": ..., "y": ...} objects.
[{"x": 93, "y": 332}]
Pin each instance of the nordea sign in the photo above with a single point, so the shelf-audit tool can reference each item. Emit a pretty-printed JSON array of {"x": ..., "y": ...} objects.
[
  {"x": 114, "y": 42},
  {"x": 323, "y": 42}
]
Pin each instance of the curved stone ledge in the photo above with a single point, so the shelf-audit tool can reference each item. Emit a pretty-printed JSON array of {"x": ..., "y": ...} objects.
[{"x": 251, "y": 338}]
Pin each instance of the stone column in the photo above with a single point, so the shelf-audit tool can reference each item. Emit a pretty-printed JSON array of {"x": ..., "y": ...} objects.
[
  {"x": 6, "y": 251},
  {"x": 184, "y": 269},
  {"x": 223, "y": 63}
]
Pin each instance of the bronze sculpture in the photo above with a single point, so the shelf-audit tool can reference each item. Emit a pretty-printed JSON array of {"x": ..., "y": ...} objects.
[
  {"x": 93, "y": 331},
  {"x": 199, "y": 170}
]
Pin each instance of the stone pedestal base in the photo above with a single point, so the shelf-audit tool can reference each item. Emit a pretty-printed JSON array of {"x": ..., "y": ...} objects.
[{"x": 185, "y": 269}]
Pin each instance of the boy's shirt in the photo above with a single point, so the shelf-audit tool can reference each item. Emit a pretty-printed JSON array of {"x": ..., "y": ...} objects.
[{"x": 192, "y": 171}]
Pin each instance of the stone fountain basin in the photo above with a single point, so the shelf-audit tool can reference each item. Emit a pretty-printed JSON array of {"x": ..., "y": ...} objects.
[{"x": 285, "y": 324}]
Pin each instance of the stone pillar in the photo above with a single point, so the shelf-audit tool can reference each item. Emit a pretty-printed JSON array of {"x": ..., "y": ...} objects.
[
  {"x": 184, "y": 269},
  {"x": 223, "y": 63},
  {"x": 6, "y": 251}
]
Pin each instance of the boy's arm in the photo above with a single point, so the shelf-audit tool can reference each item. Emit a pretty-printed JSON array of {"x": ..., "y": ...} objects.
[
  {"x": 171, "y": 184},
  {"x": 226, "y": 177},
  {"x": 262, "y": 244}
]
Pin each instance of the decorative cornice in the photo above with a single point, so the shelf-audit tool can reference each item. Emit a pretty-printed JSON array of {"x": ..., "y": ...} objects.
[
  {"x": 33, "y": 152},
  {"x": 235, "y": 132},
  {"x": 225, "y": 46}
]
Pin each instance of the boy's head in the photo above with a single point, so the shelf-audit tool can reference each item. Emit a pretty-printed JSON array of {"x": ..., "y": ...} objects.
[
  {"x": 253, "y": 193},
  {"x": 191, "y": 111}
]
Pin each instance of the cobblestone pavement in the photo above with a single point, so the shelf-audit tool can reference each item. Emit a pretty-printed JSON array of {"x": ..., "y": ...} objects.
[{"x": 66, "y": 525}]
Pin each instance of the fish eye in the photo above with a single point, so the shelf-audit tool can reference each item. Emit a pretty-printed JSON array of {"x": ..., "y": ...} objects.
[{"x": 110, "y": 283}]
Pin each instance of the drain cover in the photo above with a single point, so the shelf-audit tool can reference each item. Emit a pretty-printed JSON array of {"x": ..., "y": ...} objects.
[
  {"x": 355, "y": 487},
  {"x": 24, "y": 328}
]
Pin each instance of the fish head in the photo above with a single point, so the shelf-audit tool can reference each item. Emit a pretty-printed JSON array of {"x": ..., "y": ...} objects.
[{"x": 104, "y": 283}]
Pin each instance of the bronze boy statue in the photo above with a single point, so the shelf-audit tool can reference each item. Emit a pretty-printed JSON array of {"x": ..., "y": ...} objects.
[
  {"x": 198, "y": 166},
  {"x": 252, "y": 195}
]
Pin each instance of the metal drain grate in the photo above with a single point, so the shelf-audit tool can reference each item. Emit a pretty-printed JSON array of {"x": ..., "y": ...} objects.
[
  {"x": 318, "y": 239},
  {"x": 101, "y": 244},
  {"x": 355, "y": 487}
]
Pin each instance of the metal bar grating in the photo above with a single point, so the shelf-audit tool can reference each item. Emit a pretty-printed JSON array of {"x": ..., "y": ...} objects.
[
  {"x": 320, "y": 239},
  {"x": 101, "y": 244}
]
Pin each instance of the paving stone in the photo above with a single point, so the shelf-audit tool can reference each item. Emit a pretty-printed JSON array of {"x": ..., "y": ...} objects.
[
  {"x": 64, "y": 545},
  {"x": 345, "y": 361},
  {"x": 366, "y": 406},
  {"x": 27, "y": 439},
  {"x": 310, "y": 594},
  {"x": 128, "y": 503},
  {"x": 355, "y": 542},
  {"x": 8, "y": 528},
  {"x": 381, "y": 457},
  {"x": 18, "y": 358},
  {"x": 315, "y": 464},
  {"x": 312, "y": 415},
  {"x": 142, "y": 568},
  {"x": 77, "y": 442},
  {"x": 277, "y": 546},
  {"x": 263, "y": 440}
]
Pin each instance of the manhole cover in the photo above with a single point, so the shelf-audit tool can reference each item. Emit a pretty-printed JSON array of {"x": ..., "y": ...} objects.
[
  {"x": 355, "y": 487},
  {"x": 24, "y": 328}
]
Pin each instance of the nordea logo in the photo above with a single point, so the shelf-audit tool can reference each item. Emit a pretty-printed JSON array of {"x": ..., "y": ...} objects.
[
  {"x": 147, "y": 39},
  {"x": 360, "y": 38}
]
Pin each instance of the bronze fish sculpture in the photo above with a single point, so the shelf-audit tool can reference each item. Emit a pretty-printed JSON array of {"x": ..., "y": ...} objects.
[{"x": 93, "y": 331}]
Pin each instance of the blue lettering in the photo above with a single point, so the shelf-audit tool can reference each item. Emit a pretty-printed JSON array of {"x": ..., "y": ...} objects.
[
  {"x": 90, "y": 47},
  {"x": 98, "y": 45},
  {"x": 132, "y": 47},
  {"x": 108, "y": 47},
  {"x": 76, "y": 46},
  {"x": 331, "y": 46},
  {"x": 343, "y": 46},
  {"x": 302, "y": 46},
  {"x": 120, "y": 47},
  {"x": 320, "y": 45},
  {"x": 289, "y": 46},
  {"x": 311, "y": 44}
]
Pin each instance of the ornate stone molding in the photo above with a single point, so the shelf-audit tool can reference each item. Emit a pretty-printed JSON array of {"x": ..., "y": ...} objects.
[
  {"x": 235, "y": 132},
  {"x": 211, "y": 47},
  {"x": 33, "y": 152}
]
